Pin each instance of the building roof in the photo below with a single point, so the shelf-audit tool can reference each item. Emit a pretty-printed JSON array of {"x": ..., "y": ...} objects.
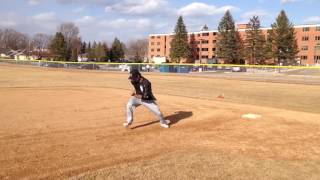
[{"x": 211, "y": 31}]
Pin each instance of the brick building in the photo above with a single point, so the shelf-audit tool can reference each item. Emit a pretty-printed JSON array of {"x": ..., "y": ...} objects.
[{"x": 308, "y": 39}]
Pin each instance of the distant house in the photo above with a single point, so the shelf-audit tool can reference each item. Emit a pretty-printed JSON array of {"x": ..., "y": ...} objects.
[
  {"x": 82, "y": 58},
  {"x": 3, "y": 55},
  {"x": 23, "y": 57}
]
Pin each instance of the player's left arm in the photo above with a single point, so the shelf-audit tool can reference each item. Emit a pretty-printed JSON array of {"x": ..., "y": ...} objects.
[{"x": 147, "y": 90}]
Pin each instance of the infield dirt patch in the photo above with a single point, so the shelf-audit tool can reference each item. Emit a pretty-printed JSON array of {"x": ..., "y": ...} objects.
[{"x": 57, "y": 123}]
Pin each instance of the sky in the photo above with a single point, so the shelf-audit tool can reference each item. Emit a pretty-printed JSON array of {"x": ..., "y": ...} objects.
[{"x": 103, "y": 20}]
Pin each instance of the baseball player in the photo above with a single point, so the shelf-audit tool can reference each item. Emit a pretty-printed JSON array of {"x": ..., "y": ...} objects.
[{"x": 142, "y": 95}]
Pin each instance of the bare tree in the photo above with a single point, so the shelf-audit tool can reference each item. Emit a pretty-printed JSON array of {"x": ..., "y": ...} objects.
[
  {"x": 12, "y": 39},
  {"x": 41, "y": 42},
  {"x": 70, "y": 32},
  {"x": 71, "y": 35},
  {"x": 137, "y": 50}
]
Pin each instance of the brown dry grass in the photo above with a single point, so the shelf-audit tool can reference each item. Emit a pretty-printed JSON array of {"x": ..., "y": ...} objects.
[{"x": 59, "y": 124}]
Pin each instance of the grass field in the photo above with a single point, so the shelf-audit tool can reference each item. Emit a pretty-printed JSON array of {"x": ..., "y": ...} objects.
[{"x": 57, "y": 123}]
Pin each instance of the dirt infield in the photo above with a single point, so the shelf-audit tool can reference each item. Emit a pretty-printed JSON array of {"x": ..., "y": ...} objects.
[{"x": 57, "y": 123}]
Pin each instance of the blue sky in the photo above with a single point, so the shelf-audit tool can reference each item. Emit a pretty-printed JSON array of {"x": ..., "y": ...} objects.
[{"x": 102, "y": 20}]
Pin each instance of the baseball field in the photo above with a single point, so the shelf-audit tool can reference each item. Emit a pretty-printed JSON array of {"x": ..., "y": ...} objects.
[{"x": 67, "y": 124}]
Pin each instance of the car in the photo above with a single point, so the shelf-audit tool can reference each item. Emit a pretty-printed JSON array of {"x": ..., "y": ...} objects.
[
  {"x": 124, "y": 67},
  {"x": 238, "y": 69}
]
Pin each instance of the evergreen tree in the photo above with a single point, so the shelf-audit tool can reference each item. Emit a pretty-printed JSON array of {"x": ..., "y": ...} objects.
[
  {"x": 58, "y": 47},
  {"x": 91, "y": 51},
  {"x": 193, "y": 49},
  {"x": 83, "y": 47},
  {"x": 205, "y": 28},
  {"x": 179, "y": 44},
  {"x": 117, "y": 50},
  {"x": 74, "y": 54},
  {"x": 283, "y": 40},
  {"x": 106, "y": 52},
  {"x": 255, "y": 42},
  {"x": 229, "y": 44}
]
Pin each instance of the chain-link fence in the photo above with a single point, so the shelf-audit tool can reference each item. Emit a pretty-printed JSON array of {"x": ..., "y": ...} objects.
[{"x": 206, "y": 69}]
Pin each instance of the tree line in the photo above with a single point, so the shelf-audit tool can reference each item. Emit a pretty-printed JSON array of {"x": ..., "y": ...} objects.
[
  {"x": 67, "y": 45},
  {"x": 279, "y": 44}
]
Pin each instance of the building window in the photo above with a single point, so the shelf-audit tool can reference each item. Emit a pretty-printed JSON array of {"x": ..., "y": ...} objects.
[
  {"x": 205, "y": 41},
  {"x": 214, "y": 41},
  {"x": 317, "y": 38},
  {"x": 198, "y": 35},
  {"x": 317, "y": 47},
  {"x": 213, "y": 49},
  {"x": 304, "y": 57},
  {"x": 305, "y": 38},
  {"x": 214, "y": 33},
  {"x": 205, "y": 34},
  {"x": 158, "y": 43},
  {"x": 152, "y": 50},
  {"x": 213, "y": 57},
  {"x": 205, "y": 57},
  {"x": 198, "y": 49},
  {"x": 158, "y": 50},
  {"x": 152, "y": 43},
  {"x": 316, "y": 59},
  {"x": 305, "y": 29},
  {"x": 204, "y": 49},
  {"x": 318, "y": 28},
  {"x": 198, "y": 42},
  {"x": 304, "y": 48},
  {"x": 158, "y": 37},
  {"x": 152, "y": 37}
]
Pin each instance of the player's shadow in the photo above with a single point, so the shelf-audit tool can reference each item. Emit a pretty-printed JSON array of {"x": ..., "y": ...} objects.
[{"x": 174, "y": 119}]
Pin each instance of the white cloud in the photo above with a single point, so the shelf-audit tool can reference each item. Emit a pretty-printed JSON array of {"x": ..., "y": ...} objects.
[
  {"x": 287, "y": 1},
  {"x": 47, "y": 16},
  {"x": 202, "y": 9},
  {"x": 86, "y": 19},
  {"x": 79, "y": 9},
  {"x": 313, "y": 19},
  {"x": 137, "y": 6},
  {"x": 34, "y": 2},
  {"x": 125, "y": 24},
  {"x": 250, "y": 14}
]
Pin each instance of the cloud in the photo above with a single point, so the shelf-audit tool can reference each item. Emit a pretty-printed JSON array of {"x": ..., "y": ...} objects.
[
  {"x": 125, "y": 24},
  {"x": 250, "y": 14},
  {"x": 79, "y": 9},
  {"x": 287, "y": 1},
  {"x": 313, "y": 19},
  {"x": 137, "y": 7},
  {"x": 86, "y": 20},
  {"x": 47, "y": 16},
  {"x": 34, "y": 2},
  {"x": 196, "y": 9}
]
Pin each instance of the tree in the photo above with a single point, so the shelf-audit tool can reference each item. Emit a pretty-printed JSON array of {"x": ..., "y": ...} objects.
[
  {"x": 137, "y": 50},
  {"x": 205, "y": 28},
  {"x": 229, "y": 44},
  {"x": 74, "y": 54},
  {"x": 71, "y": 35},
  {"x": 41, "y": 42},
  {"x": 83, "y": 49},
  {"x": 282, "y": 39},
  {"x": 193, "y": 49},
  {"x": 117, "y": 50},
  {"x": 106, "y": 52},
  {"x": 58, "y": 47},
  {"x": 255, "y": 42},
  {"x": 179, "y": 44},
  {"x": 12, "y": 39}
]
